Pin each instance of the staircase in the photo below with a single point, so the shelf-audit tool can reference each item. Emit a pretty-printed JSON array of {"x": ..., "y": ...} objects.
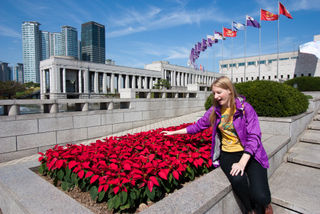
[{"x": 295, "y": 185}]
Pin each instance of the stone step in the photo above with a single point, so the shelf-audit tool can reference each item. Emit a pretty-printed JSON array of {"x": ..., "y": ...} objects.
[
  {"x": 310, "y": 136},
  {"x": 296, "y": 188},
  {"x": 315, "y": 125},
  {"x": 305, "y": 154},
  {"x": 282, "y": 210},
  {"x": 316, "y": 117}
]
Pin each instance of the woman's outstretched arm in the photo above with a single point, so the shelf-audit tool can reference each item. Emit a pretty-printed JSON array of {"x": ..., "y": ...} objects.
[{"x": 180, "y": 131}]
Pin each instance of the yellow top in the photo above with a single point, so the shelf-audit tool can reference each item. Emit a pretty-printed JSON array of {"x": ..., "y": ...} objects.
[{"x": 230, "y": 139}]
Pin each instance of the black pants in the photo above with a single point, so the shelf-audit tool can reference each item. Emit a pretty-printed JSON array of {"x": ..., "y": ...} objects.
[{"x": 257, "y": 190}]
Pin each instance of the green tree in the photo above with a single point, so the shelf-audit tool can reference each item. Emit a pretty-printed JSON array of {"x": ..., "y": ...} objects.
[
  {"x": 9, "y": 89},
  {"x": 31, "y": 85},
  {"x": 162, "y": 83}
]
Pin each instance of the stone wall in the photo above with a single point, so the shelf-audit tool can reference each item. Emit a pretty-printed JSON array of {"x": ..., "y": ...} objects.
[{"x": 25, "y": 135}]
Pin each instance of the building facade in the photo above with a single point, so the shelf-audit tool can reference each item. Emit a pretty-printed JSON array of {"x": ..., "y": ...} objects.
[
  {"x": 18, "y": 73},
  {"x": 93, "y": 48},
  {"x": 286, "y": 66},
  {"x": 55, "y": 44},
  {"x": 31, "y": 46},
  {"x": 69, "y": 41},
  {"x": 45, "y": 45},
  {"x": 5, "y": 72},
  {"x": 67, "y": 77}
]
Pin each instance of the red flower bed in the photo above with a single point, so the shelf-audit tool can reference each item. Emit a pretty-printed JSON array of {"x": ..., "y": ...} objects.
[{"x": 128, "y": 170}]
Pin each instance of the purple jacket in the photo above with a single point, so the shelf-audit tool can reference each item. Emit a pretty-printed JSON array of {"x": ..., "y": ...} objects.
[{"x": 246, "y": 124}]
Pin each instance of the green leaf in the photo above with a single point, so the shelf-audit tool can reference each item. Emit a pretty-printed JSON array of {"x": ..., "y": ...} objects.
[
  {"x": 124, "y": 197},
  {"x": 117, "y": 202},
  {"x": 133, "y": 195},
  {"x": 68, "y": 171},
  {"x": 126, "y": 206},
  {"x": 111, "y": 202},
  {"x": 101, "y": 196},
  {"x": 93, "y": 192},
  {"x": 40, "y": 169},
  {"x": 150, "y": 194},
  {"x": 64, "y": 186},
  {"x": 60, "y": 174}
]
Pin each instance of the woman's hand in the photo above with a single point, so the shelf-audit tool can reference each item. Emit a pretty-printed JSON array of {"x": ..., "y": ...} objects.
[
  {"x": 167, "y": 133},
  {"x": 236, "y": 168},
  {"x": 180, "y": 131},
  {"x": 239, "y": 167}
]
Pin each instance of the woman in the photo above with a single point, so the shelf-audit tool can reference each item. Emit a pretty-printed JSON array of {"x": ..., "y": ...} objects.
[{"x": 236, "y": 144}]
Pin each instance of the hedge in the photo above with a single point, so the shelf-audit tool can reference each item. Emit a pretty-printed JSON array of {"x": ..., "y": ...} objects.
[
  {"x": 305, "y": 83},
  {"x": 270, "y": 99}
]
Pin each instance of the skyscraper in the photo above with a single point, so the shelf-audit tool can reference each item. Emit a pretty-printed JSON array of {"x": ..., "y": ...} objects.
[
  {"x": 93, "y": 46},
  {"x": 5, "y": 72},
  {"x": 69, "y": 41},
  {"x": 31, "y": 46},
  {"x": 45, "y": 45},
  {"x": 18, "y": 73},
  {"x": 55, "y": 44}
]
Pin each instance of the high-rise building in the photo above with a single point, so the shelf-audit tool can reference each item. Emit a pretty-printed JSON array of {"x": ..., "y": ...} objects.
[
  {"x": 18, "y": 72},
  {"x": 93, "y": 46},
  {"x": 69, "y": 41},
  {"x": 55, "y": 44},
  {"x": 31, "y": 46},
  {"x": 45, "y": 45},
  {"x": 5, "y": 72}
]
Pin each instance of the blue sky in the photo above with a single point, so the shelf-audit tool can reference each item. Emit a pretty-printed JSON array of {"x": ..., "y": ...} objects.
[{"x": 139, "y": 32}]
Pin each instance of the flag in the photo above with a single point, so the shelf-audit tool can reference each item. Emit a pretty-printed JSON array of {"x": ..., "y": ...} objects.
[
  {"x": 229, "y": 33},
  {"x": 267, "y": 16},
  {"x": 252, "y": 22},
  {"x": 218, "y": 35},
  {"x": 204, "y": 45},
  {"x": 200, "y": 67},
  {"x": 199, "y": 47},
  {"x": 238, "y": 26},
  {"x": 284, "y": 11},
  {"x": 311, "y": 48},
  {"x": 210, "y": 40}
]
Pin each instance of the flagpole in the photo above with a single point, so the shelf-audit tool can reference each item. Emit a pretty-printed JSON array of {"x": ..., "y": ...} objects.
[
  {"x": 231, "y": 54},
  {"x": 222, "y": 52},
  {"x": 259, "y": 44},
  {"x": 214, "y": 53},
  {"x": 245, "y": 50},
  {"x": 278, "y": 43}
]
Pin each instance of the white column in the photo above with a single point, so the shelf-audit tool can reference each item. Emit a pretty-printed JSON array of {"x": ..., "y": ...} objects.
[
  {"x": 112, "y": 83},
  {"x": 80, "y": 80},
  {"x": 178, "y": 78},
  {"x": 64, "y": 81},
  {"x": 145, "y": 83},
  {"x": 96, "y": 82},
  {"x": 133, "y": 82},
  {"x": 172, "y": 78},
  {"x": 104, "y": 83},
  {"x": 86, "y": 80},
  {"x": 43, "y": 79},
  {"x": 151, "y": 83},
  {"x": 119, "y": 81},
  {"x": 139, "y": 82},
  {"x": 127, "y": 81}
]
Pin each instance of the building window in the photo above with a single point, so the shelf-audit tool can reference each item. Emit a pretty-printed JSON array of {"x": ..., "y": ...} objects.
[
  {"x": 263, "y": 77},
  {"x": 241, "y": 64},
  {"x": 224, "y": 66},
  {"x": 309, "y": 74},
  {"x": 295, "y": 76},
  {"x": 284, "y": 58},
  {"x": 288, "y": 76},
  {"x": 262, "y": 62},
  {"x": 275, "y": 76},
  {"x": 269, "y": 77},
  {"x": 281, "y": 76},
  {"x": 247, "y": 78},
  {"x": 236, "y": 79},
  {"x": 251, "y": 78},
  {"x": 252, "y": 63},
  {"x": 294, "y": 57},
  {"x": 257, "y": 78},
  {"x": 271, "y": 60},
  {"x": 302, "y": 75},
  {"x": 232, "y": 65}
]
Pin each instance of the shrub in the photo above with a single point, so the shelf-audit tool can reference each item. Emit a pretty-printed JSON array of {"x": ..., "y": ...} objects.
[
  {"x": 270, "y": 99},
  {"x": 273, "y": 99},
  {"x": 305, "y": 83},
  {"x": 209, "y": 102}
]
